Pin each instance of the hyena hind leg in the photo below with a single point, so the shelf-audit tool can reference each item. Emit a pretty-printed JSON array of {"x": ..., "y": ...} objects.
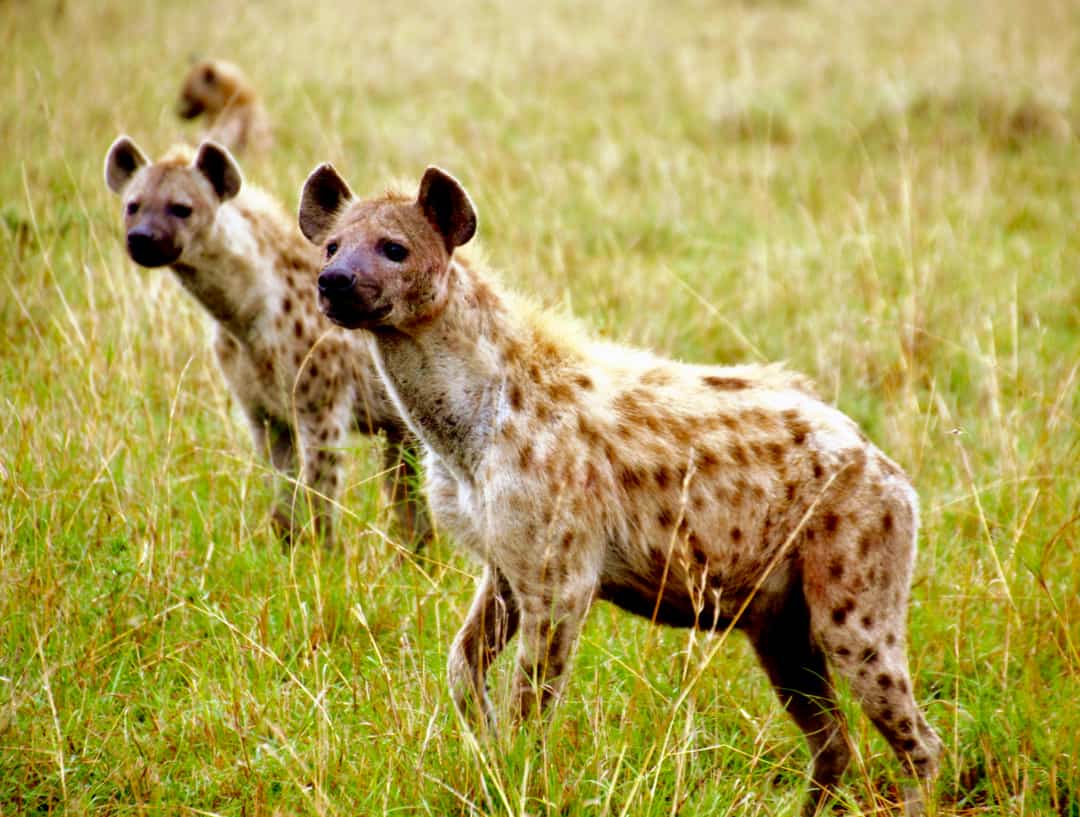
[
  {"x": 867, "y": 645},
  {"x": 797, "y": 669}
]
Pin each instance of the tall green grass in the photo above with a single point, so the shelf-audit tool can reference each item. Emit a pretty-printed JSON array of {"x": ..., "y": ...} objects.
[{"x": 885, "y": 195}]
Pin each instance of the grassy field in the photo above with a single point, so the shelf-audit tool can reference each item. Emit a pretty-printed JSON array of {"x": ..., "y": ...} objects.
[{"x": 884, "y": 195}]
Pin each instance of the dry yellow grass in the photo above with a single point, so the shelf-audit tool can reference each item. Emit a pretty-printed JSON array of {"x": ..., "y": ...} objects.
[{"x": 883, "y": 195}]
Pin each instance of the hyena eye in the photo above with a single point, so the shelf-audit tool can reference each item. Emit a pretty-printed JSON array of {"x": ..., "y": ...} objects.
[
  {"x": 132, "y": 208},
  {"x": 179, "y": 210},
  {"x": 394, "y": 251},
  {"x": 331, "y": 249},
  {"x": 208, "y": 76}
]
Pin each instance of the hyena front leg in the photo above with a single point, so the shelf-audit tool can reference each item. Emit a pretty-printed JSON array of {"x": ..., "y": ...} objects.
[
  {"x": 401, "y": 485},
  {"x": 321, "y": 437},
  {"x": 552, "y": 613},
  {"x": 490, "y": 624},
  {"x": 275, "y": 441}
]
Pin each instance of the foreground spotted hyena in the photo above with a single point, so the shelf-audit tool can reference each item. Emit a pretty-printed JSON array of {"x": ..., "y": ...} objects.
[
  {"x": 695, "y": 496},
  {"x": 235, "y": 118},
  {"x": 301, "y": 382}
]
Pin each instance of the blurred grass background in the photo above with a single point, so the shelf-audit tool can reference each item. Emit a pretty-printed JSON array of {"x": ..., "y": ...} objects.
[{"x": 884, "y": 195}]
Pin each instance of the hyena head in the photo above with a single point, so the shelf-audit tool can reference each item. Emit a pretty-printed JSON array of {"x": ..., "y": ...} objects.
[
  {"x": 171, "y": 204},
  {"x": 387, "y": 259},
  {"x": 208, "y": 88}
]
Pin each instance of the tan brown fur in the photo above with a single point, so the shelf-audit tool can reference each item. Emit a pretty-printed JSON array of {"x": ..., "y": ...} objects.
[
  {"x": 302, "y": 383},
  {"x": 696, "y": 496},
  {"x": 234, "y": 116}
]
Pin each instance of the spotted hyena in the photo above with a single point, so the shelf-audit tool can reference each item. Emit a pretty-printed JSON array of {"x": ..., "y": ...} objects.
[
  {"x": 696, "y": 496},
  {"x": 235, "y": 118},
  {"x": 302, "y": 382}
]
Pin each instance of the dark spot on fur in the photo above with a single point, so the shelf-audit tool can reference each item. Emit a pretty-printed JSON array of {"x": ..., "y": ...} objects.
[
  {"x": 738, "y": 455},
  {"x": 525, "y": 456},
  {"x": 867, "y": 622},
  {"x": 298, "y": 329},
  {"x": 902, "y": 686},
  {"x": 662, "y": 477},
  {"x": 884, "y": 681},
  {"x": 836, "y": 569},
  {"x": 789, "y": 491},
  {"x": 775, "y": 452},
  {"x": 664, "y": 518},
  {"x": 736, "y": 534},
  {"x": 869, "y": 656},
  {"x": 865, "y": 543},
  {"x": 725, "y": 383},
  {"x": 515, "y": 397},
  {"x": 909, "y": 744},
  {"x": 630, "y": 478},
  {"x": 818, "y": 470},
  {"x": 656, "y": 377},
  {"x": 587, "y": 432},
  {"x": 286, "y": 305},
  {"x": 560, "y": 393},
  {"x": 584, "y": 382},
  {"x": 890, "y": 639},
  {"x": 903, "y": 726},
  {"x": 707, "y": 462},
  {"x": 567, "y": 540},
  {"x": 843, "y": 652},
  {"x": 796, "y": 426},
  {"x": 831, "y": 522},
  {"x": 695, "y": 548},
  {"x": 887, "y": 522},
  {"x": 887, "y": 715},
  {"x": 840, "y": 614}
]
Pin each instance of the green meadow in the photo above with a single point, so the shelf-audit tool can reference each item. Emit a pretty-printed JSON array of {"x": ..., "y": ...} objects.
[{"x": 885, "y": 195}]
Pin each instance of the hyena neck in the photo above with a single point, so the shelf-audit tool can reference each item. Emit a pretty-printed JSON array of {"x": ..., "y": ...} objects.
[
  {"x": 447, "y": 378},
  {"x": 229, "y": 273}
]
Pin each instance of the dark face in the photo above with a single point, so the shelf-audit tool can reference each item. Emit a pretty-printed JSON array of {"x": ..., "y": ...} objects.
[
  {"x": 385, "y": 266},
  {"x": 171, "y": 203},
  {"x": 206, "y": 89},
  {"x": 164, "y": 207},
  {"x": 387, "y": 259},
  {"x": 189, "y": 107}
]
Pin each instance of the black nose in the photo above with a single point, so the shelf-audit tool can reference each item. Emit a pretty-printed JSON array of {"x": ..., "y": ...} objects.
[
  {"x": 149, "y": 249},
  {"x": 334, "y": 280}
]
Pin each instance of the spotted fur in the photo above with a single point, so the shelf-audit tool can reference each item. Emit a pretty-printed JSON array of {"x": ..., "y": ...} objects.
[
  {"x": 302, "y": 383},
  {"x": 695, "y": 496}
]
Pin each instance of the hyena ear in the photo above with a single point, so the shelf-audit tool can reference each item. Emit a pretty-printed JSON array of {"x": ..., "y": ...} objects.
[
  {"x": 447, "y": 206},
  {"x": 121, "y": 163},
  {"x": 220, "y": 169},
  {"x": 321, "y": 199}
]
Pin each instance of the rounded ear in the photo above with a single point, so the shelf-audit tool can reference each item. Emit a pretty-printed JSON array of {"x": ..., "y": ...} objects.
[
  {"x": 447, "y": 206},
  {"x": 321, "y": 199},
  {"x": 220, "y": 169},
  {"x": 121, "y": 163}
]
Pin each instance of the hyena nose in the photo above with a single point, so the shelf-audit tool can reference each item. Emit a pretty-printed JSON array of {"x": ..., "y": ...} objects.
[
  {"x": 150, "y": 249},
  {"x": 334, "y": 280}
]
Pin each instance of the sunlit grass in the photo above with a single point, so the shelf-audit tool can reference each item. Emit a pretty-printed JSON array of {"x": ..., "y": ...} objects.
[{"x": 884, "y": 195}]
